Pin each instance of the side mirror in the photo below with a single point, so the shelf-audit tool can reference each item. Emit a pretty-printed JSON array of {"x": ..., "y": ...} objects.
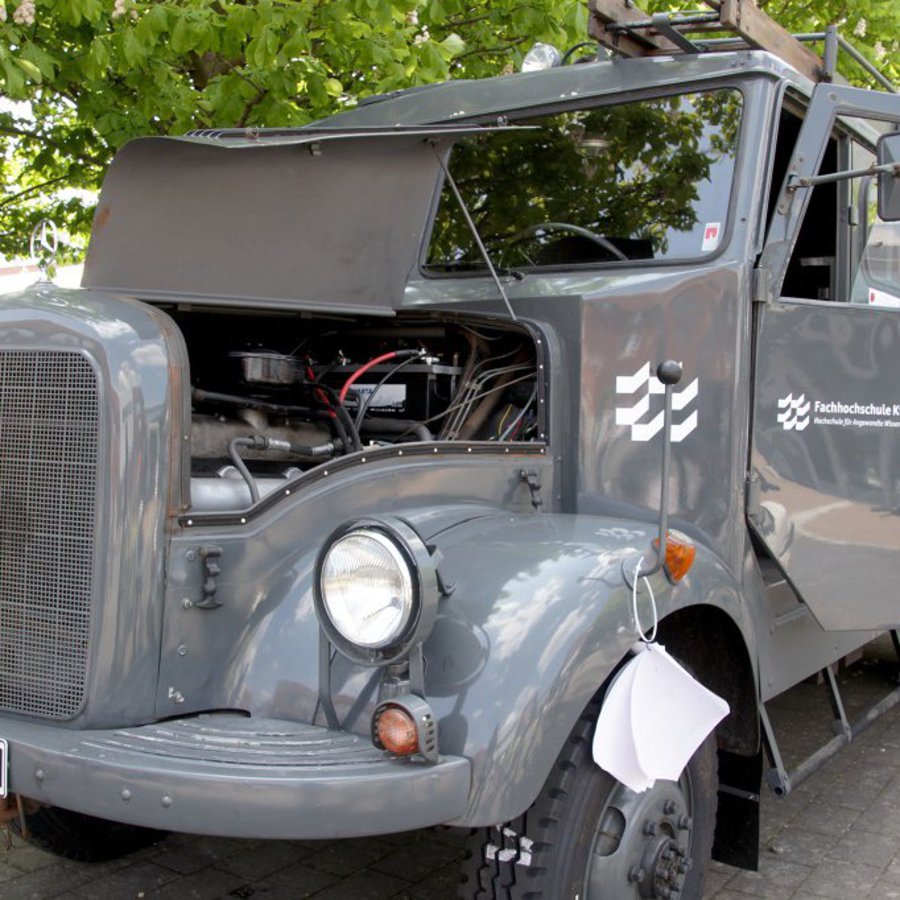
[{"x": 889, "y": 181}]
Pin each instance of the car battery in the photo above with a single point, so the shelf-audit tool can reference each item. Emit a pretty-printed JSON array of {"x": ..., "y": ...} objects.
[{"x": 417, "y": 391}]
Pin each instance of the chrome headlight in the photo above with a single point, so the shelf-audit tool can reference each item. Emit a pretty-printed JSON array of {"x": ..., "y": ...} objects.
[
  {"x": 374, "y": 589},
  {"x": 367, "y": 588}
]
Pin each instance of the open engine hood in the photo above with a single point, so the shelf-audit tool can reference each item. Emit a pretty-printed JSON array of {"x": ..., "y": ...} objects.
[{"x": 308, "y": 218}]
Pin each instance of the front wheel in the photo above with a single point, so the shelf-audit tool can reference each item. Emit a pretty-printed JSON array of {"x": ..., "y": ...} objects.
[{"x": 588, "y": 837}]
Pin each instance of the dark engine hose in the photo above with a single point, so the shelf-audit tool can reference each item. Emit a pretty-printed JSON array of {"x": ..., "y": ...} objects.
[
  {"x": 317, "y": 451},
  {"x": 397, "y": 426},
  {"x": 258, "y": 442},
  {"x": 255, "y": 443},
  {"x": 347, "y": 431}
]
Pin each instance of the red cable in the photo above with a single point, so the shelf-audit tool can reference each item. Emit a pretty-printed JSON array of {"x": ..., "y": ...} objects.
[{"x": 362, "y": 370}]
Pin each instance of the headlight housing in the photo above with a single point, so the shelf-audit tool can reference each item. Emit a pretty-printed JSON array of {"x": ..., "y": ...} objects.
[
  {"x": 367, "y": 588},
  {"x": 376, "y": 590}
]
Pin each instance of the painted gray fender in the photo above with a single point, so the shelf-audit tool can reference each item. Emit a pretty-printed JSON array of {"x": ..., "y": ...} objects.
[{"x": 538, "y": 619}]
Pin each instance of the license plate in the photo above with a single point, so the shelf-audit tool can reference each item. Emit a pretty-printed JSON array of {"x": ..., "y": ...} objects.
[{"x": 4, "y": 767}]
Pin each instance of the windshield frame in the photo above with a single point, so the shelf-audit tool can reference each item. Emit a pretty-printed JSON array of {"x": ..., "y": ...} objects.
[{"x": 520, "y": 117}]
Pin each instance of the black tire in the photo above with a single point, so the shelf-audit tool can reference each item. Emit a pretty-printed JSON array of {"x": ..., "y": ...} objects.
[
  {"x": 587, "y": 837},
  {"x": 84, "y": 838}
]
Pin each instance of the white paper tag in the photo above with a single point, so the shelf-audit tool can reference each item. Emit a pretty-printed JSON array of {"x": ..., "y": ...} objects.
[
  {"x": 655, "y": 715},
  {"x": 883, "y": 298},
  {"x": 712, "y": 232}
]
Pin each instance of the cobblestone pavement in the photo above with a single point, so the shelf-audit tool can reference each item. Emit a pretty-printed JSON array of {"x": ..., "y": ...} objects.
[{"x": 836, "y": 836}]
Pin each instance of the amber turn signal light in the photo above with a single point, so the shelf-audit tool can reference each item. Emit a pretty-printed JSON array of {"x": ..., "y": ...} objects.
[
  {"x": 396, "y": 732},
  {"x": 680, "y": 553}
]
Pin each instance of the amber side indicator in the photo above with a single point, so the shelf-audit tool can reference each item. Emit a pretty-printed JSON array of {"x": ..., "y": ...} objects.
[
  {"x": 680, "y": 553},
  {"x": 395, "y": 731}
]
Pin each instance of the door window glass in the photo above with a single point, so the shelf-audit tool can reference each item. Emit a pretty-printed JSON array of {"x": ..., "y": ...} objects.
[
  {"x": 812, "y": 268},
  {"x": 844, "y": 251},
  {"x": 876, "y": 280}
]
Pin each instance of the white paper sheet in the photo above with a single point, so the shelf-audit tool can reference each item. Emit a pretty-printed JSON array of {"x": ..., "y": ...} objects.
[{"x": 655, "y": 715}]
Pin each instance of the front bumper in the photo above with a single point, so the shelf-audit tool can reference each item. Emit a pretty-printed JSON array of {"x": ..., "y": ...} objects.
[{"x": 234, "y": 776}]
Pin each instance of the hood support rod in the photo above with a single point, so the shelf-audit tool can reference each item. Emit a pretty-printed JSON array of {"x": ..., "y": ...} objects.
[{"x": 475, "y": 234}]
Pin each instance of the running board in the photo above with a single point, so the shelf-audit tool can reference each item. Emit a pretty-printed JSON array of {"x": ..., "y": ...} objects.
[{"x": 780, "y": 781}]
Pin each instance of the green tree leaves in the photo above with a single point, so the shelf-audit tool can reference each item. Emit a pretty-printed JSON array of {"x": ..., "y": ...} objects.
[
  {"x": 91, "y": 74},
  {"x": 95, "y": 73}
]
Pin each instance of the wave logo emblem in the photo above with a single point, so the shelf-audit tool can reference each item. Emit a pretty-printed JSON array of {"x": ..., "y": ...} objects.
[
  {"x": 793, "y": 413},
  {"x": 649, "y": 384}
]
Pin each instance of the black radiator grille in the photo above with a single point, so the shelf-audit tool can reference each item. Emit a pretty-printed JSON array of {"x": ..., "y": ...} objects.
[{"x": 49, "y": 444}]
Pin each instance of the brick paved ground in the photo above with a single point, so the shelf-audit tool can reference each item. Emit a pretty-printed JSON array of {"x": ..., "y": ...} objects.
[{"x": 836, "y": 836}]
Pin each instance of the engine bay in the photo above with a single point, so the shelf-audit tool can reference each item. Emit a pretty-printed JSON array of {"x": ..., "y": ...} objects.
[{"x": 275, "y": 394}]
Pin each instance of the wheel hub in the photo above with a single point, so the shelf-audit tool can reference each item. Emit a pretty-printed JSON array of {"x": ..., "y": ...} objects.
[
  {"x": 669, "y": 865},
  {"x": 642, "y": 844}
]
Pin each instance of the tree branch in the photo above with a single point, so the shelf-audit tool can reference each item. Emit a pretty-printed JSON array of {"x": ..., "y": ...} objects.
[
  {"x": 461, "y": 23},
  {"x": 489, "y": 51},
  {"x": 251, "y": 104},
  {"x": 46, "y": 141},
  {"x": 31, "y": 190},
  {"x": 457, "y": 23},
  {"x": 18, "y": 132}
]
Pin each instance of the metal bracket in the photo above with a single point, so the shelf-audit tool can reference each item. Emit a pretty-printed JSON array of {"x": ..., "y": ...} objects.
[
  {"x": 209, "y": 557},
  {"x": 796, "y": 181},
  {"x": 762, "y": 285},
  {"x": 779, "y": 780},
  {"x": 406, "y": 676},
  {"x": 777, "y": 776},
  {"x": 445, "y": 588},
  {"x": 754, "y": 494},
  {"x": 326, "y": 703},
  {"x": 532, "y": 479},
  {"x": 841, "y": 724},
  {"x": 664, "y": 25}
]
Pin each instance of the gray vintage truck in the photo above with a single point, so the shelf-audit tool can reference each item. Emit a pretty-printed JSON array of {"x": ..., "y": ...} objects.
[{"x": 333, "y": 503}]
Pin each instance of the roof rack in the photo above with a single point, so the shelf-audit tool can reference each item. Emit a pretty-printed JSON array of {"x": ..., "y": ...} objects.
[{"x": 623, "y": 28}]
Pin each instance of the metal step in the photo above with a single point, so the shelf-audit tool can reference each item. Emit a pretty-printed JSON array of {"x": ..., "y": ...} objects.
[{"x": 241, "y": 741}]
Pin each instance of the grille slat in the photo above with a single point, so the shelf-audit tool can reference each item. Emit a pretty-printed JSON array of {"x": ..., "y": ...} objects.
[{"x": 49, "y": 457}]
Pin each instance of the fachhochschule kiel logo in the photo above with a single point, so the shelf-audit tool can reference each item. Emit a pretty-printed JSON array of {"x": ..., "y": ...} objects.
[
  {"x": 793, "y": 412},
  {"x": 645, "y": 382},
  {"x": 797, "y": 413}
]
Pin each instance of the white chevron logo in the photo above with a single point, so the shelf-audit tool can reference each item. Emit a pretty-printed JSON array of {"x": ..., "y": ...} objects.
[
  {"x": 793, "y": 414},
  {"x": 632, "y": 415}
]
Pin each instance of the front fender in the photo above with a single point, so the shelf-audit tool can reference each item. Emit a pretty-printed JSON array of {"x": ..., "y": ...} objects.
[{"x": 539, "y": 617}]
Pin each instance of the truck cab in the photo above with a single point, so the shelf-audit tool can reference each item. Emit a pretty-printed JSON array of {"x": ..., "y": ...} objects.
[{"x": 336, "y": 501}]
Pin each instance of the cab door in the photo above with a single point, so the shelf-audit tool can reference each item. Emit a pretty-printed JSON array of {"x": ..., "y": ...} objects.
[{"x": 825, "y": 440}]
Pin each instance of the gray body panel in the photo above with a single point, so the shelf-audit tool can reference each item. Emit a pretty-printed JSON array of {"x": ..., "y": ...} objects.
[
  {"x": 135, "y": 350},
  {"x": 259, "y": 650},
  {"x": 290, "y": 241},
  {"x": 796, "y": 646},
  {"x": 254, "y": 778},
  {"x": 526, "y": 92},
  {"x": 833, "y": 483},
  {"x": 827, "y": 412}
]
